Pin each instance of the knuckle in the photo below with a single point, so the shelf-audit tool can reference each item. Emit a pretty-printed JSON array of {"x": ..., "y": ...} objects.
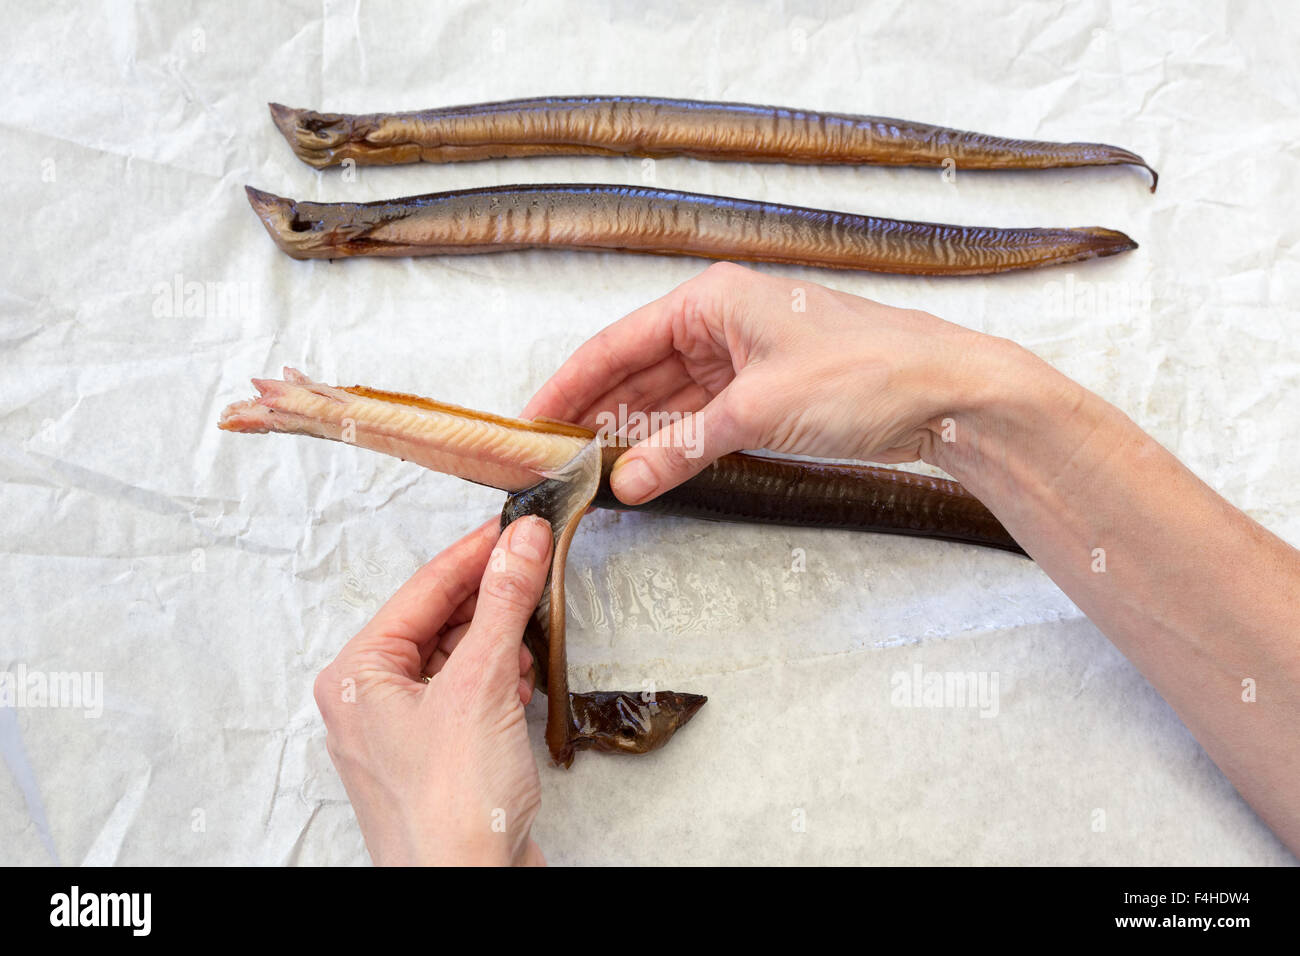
[
  {"x": 738, "y": 413},
  {"x": 695, "y": 302},
  {"x": 724, "y": 272},
  {"x": 673, "y": 460},
  {"x": 703, "y": 296},
  {"x": 735, "y": 402},
  {"x": 332, "y": 747},
  {"x": 512, "y": 587},
  {"x": 325, "y": 690},
  {"x": 605, "y": 340}
]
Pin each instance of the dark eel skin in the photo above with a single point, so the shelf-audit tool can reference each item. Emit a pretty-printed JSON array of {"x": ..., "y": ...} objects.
[
  {"x": 756, "y": 489},
  {"x": 737, "y": 487},
  {"x": 608, "y": 721},
  {"x": 595, "y": 217},
  {"x": 656, "y": 127}
]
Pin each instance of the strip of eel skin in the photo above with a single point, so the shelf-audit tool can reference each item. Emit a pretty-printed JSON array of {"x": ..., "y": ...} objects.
[
  {"x": 666, "y": 222},
  {"x": 608, "y": 721},
  {"x": 650, "y": 126},
  {"x": 558, "y": 470}
]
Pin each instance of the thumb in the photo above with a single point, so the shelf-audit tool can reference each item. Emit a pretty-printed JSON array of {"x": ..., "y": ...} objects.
[
  {"x": 508, "y": 594},
  {"x": 677, "y": 451}
]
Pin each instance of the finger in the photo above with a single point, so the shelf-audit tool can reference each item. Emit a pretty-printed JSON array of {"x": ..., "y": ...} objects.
[
  {"x": 678, "y": 451},
  {"x": 638, "y": 392},
  {"x": 527, "y": 675},
  {"x": 465, "y": 612},
  {"x": 401, "y": 630},
  {"x": 639, "y": 340},
  {"x": 508, "y": 594},
  {"x": 645, "y": 337},
  {"x": 421, "y": 606},
  {"x": 438, "y": 653},
  {"x": 689, "y": 398}
]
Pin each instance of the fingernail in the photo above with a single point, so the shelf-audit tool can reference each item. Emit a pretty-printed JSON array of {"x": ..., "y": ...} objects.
[
  {"x": 530, "y": 538},
  {"x": 632, "y": 481}
]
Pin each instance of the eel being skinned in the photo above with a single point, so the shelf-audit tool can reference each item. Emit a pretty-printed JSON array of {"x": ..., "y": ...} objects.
[
  {"x": 655, "y": 127},
  {"x": 557, "y": 470},
  {"x": 664, "y": 222}
]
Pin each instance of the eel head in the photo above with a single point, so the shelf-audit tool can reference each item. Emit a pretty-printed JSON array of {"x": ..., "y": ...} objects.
[
  {"x": 330, "y": 139},
  {"x": 309, "y": 230},
  {"x": 630, "y": 723}
]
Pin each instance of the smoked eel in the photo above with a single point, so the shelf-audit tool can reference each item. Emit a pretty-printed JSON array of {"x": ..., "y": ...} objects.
[
  {"x": 557, "y": 470},
  {"x": 666, "y": 222},
  {"x": 655, "y": 127}
]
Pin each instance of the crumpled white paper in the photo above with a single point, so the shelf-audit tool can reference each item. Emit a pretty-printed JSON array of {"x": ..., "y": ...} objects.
[{"x": 207, "y": 577}]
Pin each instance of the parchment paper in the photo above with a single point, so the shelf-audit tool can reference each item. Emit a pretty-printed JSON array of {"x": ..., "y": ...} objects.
[{"x": 207, "y": 577}]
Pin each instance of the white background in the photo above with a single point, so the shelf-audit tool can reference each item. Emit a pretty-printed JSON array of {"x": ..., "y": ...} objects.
[{"x": 209, "y": 576}]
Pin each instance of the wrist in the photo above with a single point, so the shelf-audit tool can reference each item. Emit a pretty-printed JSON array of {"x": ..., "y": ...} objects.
[
  {"x": 437, "y": 833},
  {"x": 449, "y": 846},
  {"x": 1016, "y": 417}
]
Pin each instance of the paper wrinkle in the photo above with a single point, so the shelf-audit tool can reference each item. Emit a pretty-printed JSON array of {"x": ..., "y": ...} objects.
[
  {"x": 209, "y": 577},
  {"x": 15, "y": 756},
  {"x": 107, "y": 846}
]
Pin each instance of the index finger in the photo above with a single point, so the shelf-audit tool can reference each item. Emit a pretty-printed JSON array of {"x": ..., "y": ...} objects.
[
  {"x": 416, "y": 612},
  {"x": 640, "y": 339}
]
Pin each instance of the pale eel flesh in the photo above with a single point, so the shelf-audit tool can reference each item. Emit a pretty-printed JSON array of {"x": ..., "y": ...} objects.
[
  {"x": 665, "y": 222},
  {"x": 557, "y": 470},
  {"x": 656, "y": 127}
]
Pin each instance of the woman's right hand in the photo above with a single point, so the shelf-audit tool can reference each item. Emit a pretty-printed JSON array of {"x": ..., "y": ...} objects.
[
  {"x": 768, "y": 362},
  {"x": 1197, "y": 595}
]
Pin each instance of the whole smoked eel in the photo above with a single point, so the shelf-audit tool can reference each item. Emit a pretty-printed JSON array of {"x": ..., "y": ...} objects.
[
  {"x": 655, "y": 127},
  {"x": 666, "y": 222},
  {"x": 557, "y": 471}
]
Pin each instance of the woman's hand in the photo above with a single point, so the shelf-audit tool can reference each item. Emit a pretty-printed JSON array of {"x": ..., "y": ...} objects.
[
  {"x": 1196, "y": 594},
  {"x": 768, "y": 362},
  {"x": 443, "y": 772}
]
